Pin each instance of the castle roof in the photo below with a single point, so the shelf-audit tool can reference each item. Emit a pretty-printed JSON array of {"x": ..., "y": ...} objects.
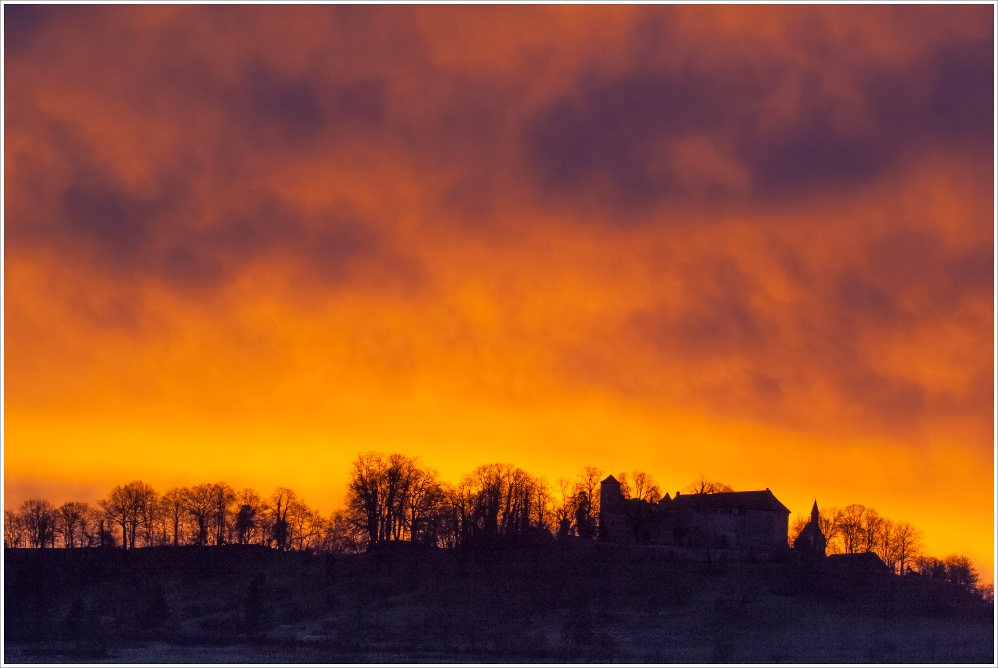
[
  {"x": 858, "y": 561},
  {"x": 611, "y": 479},
  {"x": 755, "y": 500},
  {"x": 811, "y": 538}
]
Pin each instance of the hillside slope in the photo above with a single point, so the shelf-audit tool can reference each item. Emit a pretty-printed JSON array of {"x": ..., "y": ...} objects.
[{"x": 567, "y": 602}]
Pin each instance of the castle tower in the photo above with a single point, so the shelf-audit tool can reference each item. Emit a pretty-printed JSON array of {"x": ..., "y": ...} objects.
[
  {"x": 610, "y": 495},
  {"x": 612, "y": 519}
]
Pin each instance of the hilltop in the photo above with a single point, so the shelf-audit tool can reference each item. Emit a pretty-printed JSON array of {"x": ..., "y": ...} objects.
[{"x": 561, "y": 602}]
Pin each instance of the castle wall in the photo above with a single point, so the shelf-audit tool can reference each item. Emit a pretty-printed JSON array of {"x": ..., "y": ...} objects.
[
  {"x": 662, "y": 531},
  {"x": 763, "y": 529},
  {"x": 614, "y": 527},
  {"x": 721, "y": 529},
  {"x": 735, "y": 530}
]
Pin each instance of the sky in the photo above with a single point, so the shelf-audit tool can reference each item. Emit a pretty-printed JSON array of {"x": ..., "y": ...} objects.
[{"x": 246, "y": 243}]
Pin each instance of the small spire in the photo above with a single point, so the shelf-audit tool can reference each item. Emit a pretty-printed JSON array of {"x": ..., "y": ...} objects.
[{"x": 814, "y": 512}]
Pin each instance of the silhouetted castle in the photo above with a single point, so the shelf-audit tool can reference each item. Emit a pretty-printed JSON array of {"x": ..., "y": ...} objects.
[{"x": 734, "y": 525}]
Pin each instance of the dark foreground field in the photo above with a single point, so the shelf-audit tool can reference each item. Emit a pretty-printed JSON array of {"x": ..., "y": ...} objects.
[{"x": 560, "y": 603}]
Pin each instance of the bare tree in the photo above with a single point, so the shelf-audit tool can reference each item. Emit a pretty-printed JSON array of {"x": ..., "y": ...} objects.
[
  {"x": 704, "y": 486},
  {"x": 71, "y": 520},
  {"x": 199, "y": 502},
  {"x": 174, "y": 508},
  {"x": 453, "y": 511},
  {"x": 872, "y": 522},
  {"x": 961, "y": 571},
  {"x": 366, "y": 494},
  {"x": 318, "y": 528},
  {"x": 908, "y": 540},
  {"x": 306, "y": 527},
  {"x": 343, "y": 535},
  {"x": 485, "y": 488},
  {"x": 393, "y": 497},
  {"x": 39, "y": 518},
  {"x": 14, "y": 531},
  {"x": 929, "y": 567},
  {"x": 644, "y": 487},
  {"x": 247, "y": 523},
  {"x": 92, "y": 527},
  {"x": 886, "y": 546},
  {"x": 280, "y": 503},
  {"x": 585, "y": 525},
  {"x": 421, "y": 498},
  {"x": 120, "y": 507},
  {"x": 851, "y": 527},
  {"x": 586, "y": 492},
  {"x": 829, "y": 521},
  {"x": 496, "y": 502},
  {"x": 437, "y": 525},
  {"x": 264, "y": 518},
  {"x": 105, "y": 528},
  {"x": 222, "y": 497},
  {"x": 639, "y": 485},
  {"x": 146, "y": 511},
  {"x": 298, "y": 522},
  {"x": 541, "y": 505},
  {"x": 565, "y": 510},
  {"x": 397, "y": 477},
  {"x": 127, "y": 506},
  {"x": 625, "y": 484}
]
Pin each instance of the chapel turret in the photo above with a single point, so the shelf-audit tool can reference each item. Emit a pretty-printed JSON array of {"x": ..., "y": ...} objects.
[{"x": 811, "y": 539}]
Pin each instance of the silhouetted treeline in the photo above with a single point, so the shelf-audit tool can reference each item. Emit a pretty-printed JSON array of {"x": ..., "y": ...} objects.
[
  {"x": 397, "y": 498},
  {"x": 394, "y": 498},
  {"x": 136, "y": 515},
  {"x": 857, "y": 528}
]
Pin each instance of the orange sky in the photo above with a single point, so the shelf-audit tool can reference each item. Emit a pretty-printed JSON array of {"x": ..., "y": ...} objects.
[{"x": 247, "y": 243}]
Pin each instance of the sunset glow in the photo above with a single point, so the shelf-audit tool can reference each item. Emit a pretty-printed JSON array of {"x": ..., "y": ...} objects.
[{"x": 248, "y": 243}]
